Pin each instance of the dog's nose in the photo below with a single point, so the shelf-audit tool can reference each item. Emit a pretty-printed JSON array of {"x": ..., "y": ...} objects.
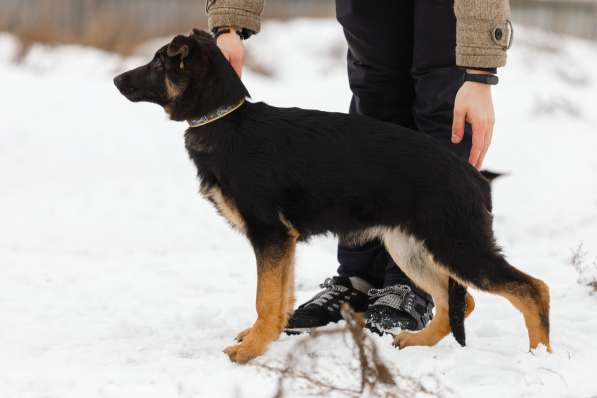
[{"x": 118, "y": 80}]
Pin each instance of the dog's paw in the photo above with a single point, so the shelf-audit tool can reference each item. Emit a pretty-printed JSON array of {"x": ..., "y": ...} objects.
[
  {"x": 240, "y": 337},
  {"x": 405, "y": 339},
  {"x": 243, "y": 353}
]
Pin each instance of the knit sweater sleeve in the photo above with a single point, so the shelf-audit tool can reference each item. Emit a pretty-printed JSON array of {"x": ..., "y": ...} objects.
[
  {"x": 240, "y": 13},
  {"x": 483, "y": 32}
]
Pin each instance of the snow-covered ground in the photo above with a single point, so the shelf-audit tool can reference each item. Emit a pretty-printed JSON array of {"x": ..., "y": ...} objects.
[{"x": 118, "y": 280}]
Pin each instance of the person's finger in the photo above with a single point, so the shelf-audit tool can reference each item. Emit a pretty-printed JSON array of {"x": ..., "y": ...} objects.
[
  {"x": 486, "y": 144},
  {"x": 478, "y": 142},
  {"x": 458, "y": 125}
]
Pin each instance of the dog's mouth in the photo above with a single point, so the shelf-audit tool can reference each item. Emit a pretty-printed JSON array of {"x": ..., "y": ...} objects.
[
  {"x": 133, "y": 94},
  {"x": 136, "y": 97}
]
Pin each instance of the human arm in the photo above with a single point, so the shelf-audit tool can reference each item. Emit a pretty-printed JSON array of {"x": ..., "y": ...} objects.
[
  {"x": 240, "y": 16},
  {"x": 473, "y": 104},
  {"x": 483, "y": 36}
]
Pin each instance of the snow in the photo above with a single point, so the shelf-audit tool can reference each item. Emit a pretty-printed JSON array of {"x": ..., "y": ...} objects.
[{"x": 118, "y": 280}]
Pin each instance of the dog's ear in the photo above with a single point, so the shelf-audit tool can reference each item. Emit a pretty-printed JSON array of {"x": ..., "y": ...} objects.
[
  {"x": 178, "y": 47},
  {"x": 202, "y": 36}
]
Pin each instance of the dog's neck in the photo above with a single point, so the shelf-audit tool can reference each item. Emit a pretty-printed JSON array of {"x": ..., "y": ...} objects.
[
  {"x": 214, "y": 115},
  {"x": 219, "y": 95}
]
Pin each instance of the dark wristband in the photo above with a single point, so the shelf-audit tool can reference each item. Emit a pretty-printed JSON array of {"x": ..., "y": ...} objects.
[
  {"x": 243, "y": 33},
  {"x": 481, "y": 78},
  {"x": 493, "y": 71}
]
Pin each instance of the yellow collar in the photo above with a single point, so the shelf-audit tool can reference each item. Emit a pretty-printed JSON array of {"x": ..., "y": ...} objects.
[{"x": 215, "y": 115}]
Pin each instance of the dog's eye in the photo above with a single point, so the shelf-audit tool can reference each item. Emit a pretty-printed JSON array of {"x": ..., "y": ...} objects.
[{"x": 157, "y": 64}]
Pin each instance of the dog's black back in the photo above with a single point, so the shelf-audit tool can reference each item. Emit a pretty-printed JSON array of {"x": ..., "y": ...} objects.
[{"x": 332, "y": 172}]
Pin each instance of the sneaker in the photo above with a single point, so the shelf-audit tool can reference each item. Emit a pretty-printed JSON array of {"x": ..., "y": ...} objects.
[
  {"x": 325, "y": 306},
  {"x": 397, "y": 308}
]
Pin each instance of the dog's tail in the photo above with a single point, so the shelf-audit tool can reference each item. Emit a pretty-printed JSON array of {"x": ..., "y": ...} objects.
[
  {"x": 491, "y": 175},
  {"x": 456, "y": 308}
]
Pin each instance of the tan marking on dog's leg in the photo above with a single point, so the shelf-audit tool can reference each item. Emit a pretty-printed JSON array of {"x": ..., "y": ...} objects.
[
  {"x": 288, "y": 287},
  {"x": 293, "y": 233},
  {"x": 469, "y": 305},
  {"x": 535, "y": 310},
  {"x": 239, "y": 337},
  {"x": 288, "y": 291},
  {"x": 437, "y": 329},
  {"x": 273, "y": 267}
]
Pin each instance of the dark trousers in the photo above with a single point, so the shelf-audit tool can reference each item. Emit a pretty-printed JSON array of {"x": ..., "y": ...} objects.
[{"x": 401, "y": 68}]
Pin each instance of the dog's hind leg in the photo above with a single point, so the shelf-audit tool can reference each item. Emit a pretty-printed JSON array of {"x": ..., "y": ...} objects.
[
  {"x": 492, "y": 273},
  {"x": 532, "y": 299},
  {"x": 470, "y": 256},
  {"x": 439, "y": 327},
  {"x": 529, "y": 295},
  {"x": 274, "y": 281},
  {"x": 418, "y": 264}
]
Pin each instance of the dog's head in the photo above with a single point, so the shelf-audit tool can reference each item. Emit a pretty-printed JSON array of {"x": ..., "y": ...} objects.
[{"x": 188, "y": 77}]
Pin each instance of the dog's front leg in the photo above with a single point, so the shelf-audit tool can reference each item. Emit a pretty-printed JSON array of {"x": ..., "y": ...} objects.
[{"x": 275, "y": 290}]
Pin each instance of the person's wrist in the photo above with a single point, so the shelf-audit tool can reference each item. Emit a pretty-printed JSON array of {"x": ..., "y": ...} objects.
[
  {"x": 478, "y": 72},
  {"x": 475, "y": 87}
]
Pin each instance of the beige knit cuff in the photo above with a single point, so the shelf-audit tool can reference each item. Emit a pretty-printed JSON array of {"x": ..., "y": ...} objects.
[
  {"x": 470, "y": 57},
  {"x": 234, "y": 18},
  {"x": 482, "y": 43}
]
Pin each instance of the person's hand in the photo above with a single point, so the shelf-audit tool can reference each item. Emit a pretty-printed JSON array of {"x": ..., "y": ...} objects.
[
  {"x": 473, "y": 104},
  {"x": 232, "y": 47}
]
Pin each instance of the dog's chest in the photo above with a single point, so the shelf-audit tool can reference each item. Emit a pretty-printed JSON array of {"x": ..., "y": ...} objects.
[
  {"x": 198, "y": 143},
  {"x": 225, "y": 206},
  {"x": 200, "y": 151}
]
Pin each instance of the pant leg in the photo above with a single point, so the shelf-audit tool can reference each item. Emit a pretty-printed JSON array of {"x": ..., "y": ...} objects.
[
  {"x": 380, "y": 45},
  {"x": 365, "y": 261},
  {"x": 380, "y": 49},
  {"x": 436, "y": 76},
  {"x": 436, "y": 81}
]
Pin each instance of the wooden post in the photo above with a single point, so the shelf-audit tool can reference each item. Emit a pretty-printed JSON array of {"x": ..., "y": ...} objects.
[{"x": 595, "y": 21}]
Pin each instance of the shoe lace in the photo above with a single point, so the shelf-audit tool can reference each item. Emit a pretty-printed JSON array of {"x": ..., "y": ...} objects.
[
  {"x": 331, "y": 290},
  {"x": 402, "y": 297}
]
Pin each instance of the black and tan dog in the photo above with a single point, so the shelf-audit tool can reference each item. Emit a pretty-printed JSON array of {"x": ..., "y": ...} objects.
[{"x": 282, "y": 175}]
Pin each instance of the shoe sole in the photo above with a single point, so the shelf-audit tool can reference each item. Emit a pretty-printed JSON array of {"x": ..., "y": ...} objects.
[
  {"x": 378, "y": 329},
  {"x": 296, "y": 332},
  {"x": 372, "y": 328}
]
